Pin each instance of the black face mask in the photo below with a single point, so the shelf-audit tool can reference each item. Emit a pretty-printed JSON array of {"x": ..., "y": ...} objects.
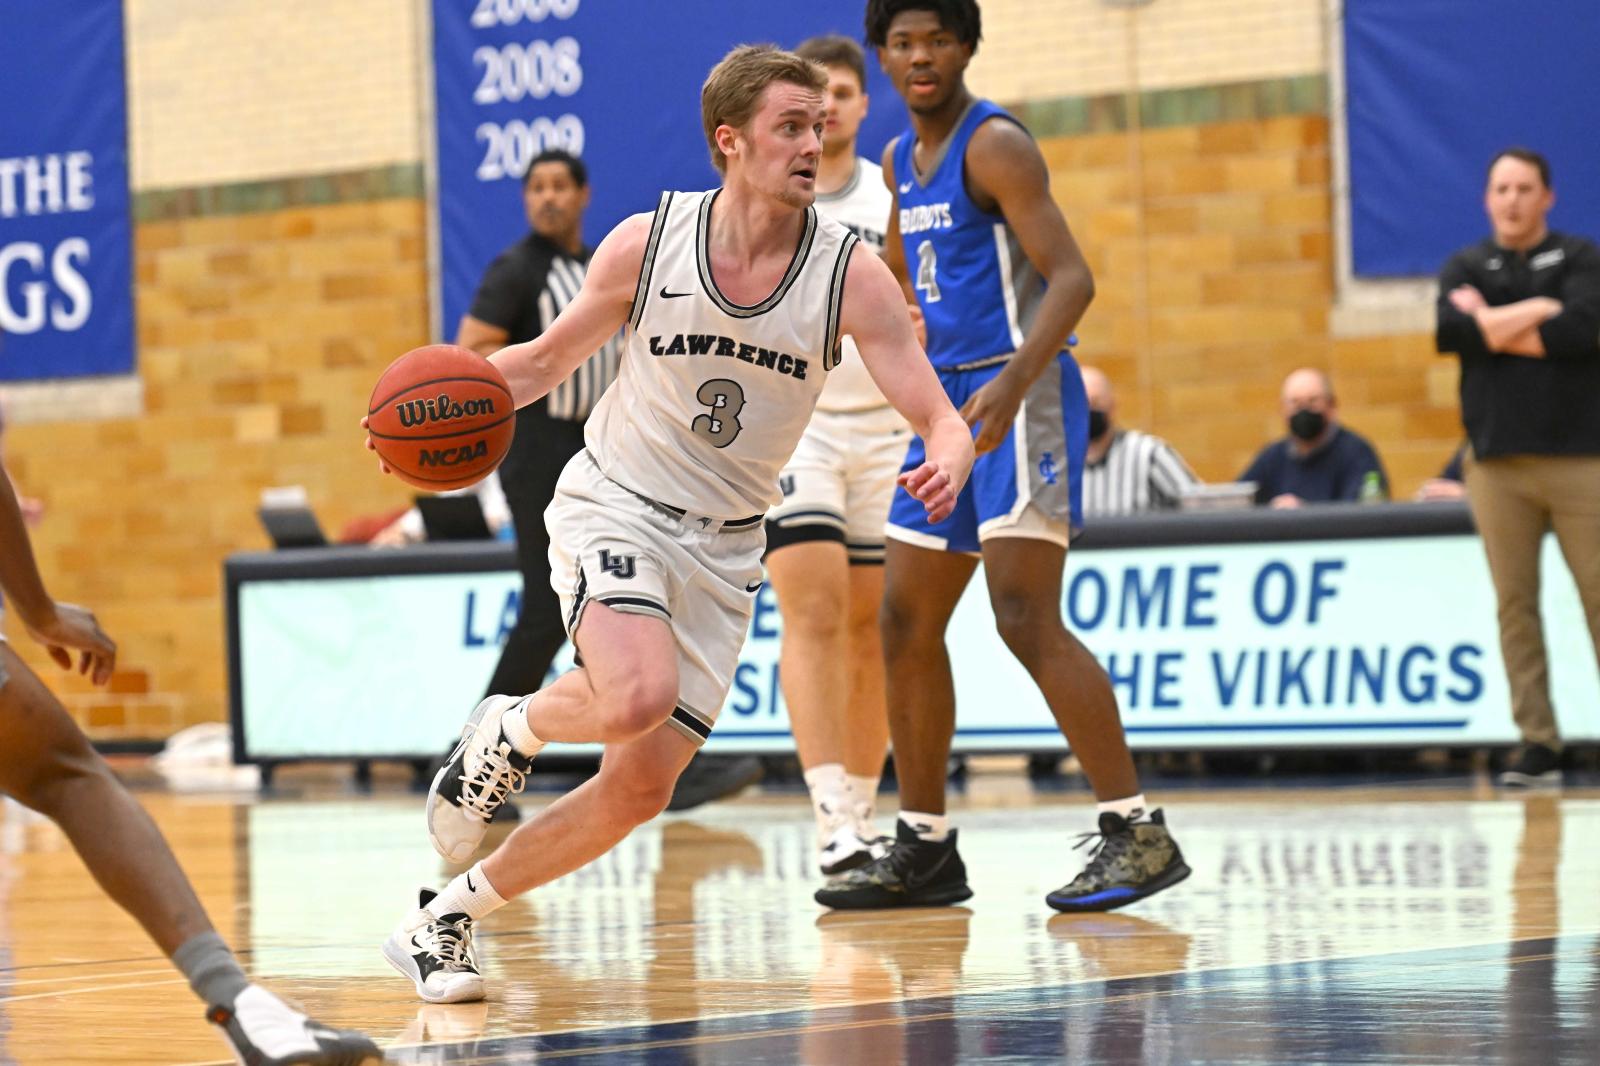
[
  {"x": 1098, "y": 424},
  {"x": 1308, "y": 425}
]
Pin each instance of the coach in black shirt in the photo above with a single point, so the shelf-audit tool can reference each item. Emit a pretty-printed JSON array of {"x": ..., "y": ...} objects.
[
  {"x": 520, "y": 295},
  {"x": 1522, "y": 312}
]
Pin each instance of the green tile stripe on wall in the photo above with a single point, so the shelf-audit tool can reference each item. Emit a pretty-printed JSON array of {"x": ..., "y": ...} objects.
[
  {"x": 397, "y": 181},
  {"x": 1235, "y": 102},
  {"x": 1060, "y": 117}
]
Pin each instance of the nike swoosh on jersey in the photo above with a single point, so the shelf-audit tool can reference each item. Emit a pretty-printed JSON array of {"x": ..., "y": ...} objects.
[
  {"x": 905, "y": 187},
  {"x": 665, "y": 295},
  {"x": 754, "y": 588}
]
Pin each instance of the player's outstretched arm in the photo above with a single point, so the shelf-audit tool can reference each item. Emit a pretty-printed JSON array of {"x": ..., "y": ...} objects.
[
  {"x": 601, "y": 308},
  {"x": 874, "y": 313},
  {"x": 61, "y": 627}
]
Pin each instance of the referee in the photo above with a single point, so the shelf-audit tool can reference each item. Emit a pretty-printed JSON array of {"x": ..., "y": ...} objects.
[
  {"x": 523, "y": 290},
  {"x": 1521, "y": 310},
  {"x": 1126, "y": 471}
]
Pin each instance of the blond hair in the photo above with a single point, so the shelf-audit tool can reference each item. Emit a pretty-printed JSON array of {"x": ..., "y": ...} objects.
[{"x": 734, "y": 87}]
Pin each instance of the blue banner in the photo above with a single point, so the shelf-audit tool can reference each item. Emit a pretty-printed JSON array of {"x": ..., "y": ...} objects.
[
  {"x": 66, "y": 279},
  {"x": 615, "y": 81},
  {"x": 1434, "y": 89}
]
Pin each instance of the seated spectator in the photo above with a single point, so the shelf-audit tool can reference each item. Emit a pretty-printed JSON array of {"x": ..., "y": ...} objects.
[
  {"x": 1450, "y": 484},
  {"x": 1319, "y": 461},
  {"x": 1125, "y": 470}
]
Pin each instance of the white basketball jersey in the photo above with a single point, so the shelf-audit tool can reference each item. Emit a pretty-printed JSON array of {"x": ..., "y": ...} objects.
[
  {"x": 863, "y": 206},
  {"x": 712, "y": 396}
]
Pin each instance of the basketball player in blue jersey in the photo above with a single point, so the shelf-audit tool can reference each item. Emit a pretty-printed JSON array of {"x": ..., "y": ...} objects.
[{"x": 1001, "y": 284}]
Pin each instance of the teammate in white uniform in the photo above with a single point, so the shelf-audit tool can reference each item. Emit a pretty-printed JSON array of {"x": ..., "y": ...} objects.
[
  {"x": 825, "y": 541},
  {"x": 734, "y": 301}
]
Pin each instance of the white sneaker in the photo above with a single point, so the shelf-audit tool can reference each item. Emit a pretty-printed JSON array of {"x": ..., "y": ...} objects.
[
  {"x": 436, "y": 954},
  {"x": 263, "y": 1030},
  {"x": 843, "y": 846},
  {"x": 481, "y": 773}
]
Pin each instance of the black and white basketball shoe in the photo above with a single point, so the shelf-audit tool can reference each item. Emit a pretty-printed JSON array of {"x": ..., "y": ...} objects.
[
  {"x": 845, "y": 841},
  {"x": 436, "y": 954},
  {"x": 907, "y": 872},
  {"x": 476, "y": 780}
]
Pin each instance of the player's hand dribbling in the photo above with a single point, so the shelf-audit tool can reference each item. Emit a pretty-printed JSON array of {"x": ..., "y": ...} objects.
[
  {"x": 371, "y": 447},
  {"x": 72, "y": 628},
  {"x": 991, "y": 410}
]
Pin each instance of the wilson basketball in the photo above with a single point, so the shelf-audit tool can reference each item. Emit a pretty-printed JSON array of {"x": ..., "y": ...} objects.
[{"x": 441, "y": 417}]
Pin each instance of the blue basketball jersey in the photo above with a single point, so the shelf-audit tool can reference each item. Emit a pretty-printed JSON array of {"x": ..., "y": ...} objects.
[{"x": 977, "y": 289}]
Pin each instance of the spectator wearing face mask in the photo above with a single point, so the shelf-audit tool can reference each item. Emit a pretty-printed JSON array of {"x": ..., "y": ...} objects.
[
  {"x": 1320, "y": 461},
  {"x": 1126, "y": 471}
]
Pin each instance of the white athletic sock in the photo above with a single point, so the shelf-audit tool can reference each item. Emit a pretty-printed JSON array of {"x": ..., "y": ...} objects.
[
  {"x": 864, "y": 794},
  {"x": 934, "y": 827},
  {"x": 1132, "y": 809},
  {"x": 470, "y": 894},
  {"x": 514, "y": 723},
  {"x": 830, "y": 792}
]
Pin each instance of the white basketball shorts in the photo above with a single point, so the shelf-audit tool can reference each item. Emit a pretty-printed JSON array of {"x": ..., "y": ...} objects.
[
  {"x": 840, "y": 481},
  {"x": 610, "y": 545}
]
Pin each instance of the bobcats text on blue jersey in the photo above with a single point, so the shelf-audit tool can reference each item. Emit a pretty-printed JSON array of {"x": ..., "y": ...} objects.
[{"x": 924, "y": 217}]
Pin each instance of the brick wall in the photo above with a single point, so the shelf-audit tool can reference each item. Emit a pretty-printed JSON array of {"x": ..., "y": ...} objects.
[
  {"x": 221, "y": 90},
  {"x": 1212, "y": 249},
  {"x": 260, "y": 336},
  {"x": 1036, "y": 49}
]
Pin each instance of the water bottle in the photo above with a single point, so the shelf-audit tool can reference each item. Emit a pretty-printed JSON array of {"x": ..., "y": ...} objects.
[{"x": 1372, "y": 488}]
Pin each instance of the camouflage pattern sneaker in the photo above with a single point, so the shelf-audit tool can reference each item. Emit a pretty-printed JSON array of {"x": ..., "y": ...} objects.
[{"x": 1130, "y": 860}]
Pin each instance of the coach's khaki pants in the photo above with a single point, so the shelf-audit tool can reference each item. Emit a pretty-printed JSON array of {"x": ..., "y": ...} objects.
[{"x": 1514, "y": 501}]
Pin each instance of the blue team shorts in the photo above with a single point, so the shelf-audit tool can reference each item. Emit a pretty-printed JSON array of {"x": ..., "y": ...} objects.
[{"x": 1039, "y": 464}]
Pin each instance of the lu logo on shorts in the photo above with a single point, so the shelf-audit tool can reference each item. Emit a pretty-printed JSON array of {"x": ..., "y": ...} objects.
[{"x": 621, "y": 567}]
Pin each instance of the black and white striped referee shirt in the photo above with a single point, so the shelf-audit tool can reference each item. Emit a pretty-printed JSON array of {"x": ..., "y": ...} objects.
[
  {"x": 1139, "y": 473},
  {"x": 522, "y": 292}
]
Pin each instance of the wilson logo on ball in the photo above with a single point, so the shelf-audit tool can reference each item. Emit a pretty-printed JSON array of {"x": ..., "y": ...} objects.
[
  {"x": 441, "y": 417},
  {"x": 453, "y": 456},
  {"x": 441, "y": 408}
]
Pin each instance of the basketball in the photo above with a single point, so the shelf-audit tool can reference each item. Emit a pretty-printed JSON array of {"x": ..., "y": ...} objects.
[{"x": 441, "y": 416}]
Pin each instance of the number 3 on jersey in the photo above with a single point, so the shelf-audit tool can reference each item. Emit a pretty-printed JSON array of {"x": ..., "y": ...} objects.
[
  {"x": 927, "y": 272},
  {"x": 726, "y": 400}
]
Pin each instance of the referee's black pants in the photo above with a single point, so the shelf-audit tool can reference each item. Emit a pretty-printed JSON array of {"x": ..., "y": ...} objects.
[{"x": 540, "y": 450}]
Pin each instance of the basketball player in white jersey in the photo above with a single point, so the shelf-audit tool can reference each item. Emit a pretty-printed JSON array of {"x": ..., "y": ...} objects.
[
  {"x": 734, "y": 300},
  {"x": 825, "y": 541}
]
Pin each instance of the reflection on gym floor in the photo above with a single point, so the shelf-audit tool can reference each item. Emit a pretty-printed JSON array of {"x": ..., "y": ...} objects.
[{"x": 1356, "y": 925}]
